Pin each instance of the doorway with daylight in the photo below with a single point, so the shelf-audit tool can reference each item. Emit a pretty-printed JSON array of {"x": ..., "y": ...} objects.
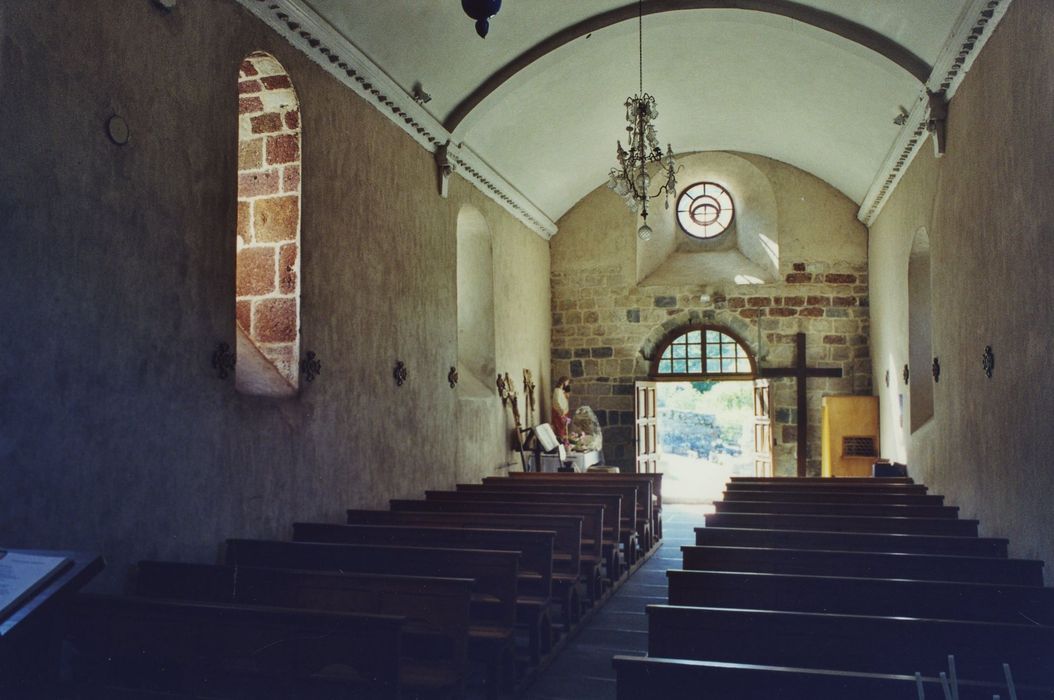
[{"x": 703, "y": 415}]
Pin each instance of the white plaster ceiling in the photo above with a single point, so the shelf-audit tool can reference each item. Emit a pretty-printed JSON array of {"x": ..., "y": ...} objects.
[{"x": 724, "y": 80}]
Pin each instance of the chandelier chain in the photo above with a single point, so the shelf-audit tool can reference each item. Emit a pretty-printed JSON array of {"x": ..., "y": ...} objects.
[{"x": 640, "y": 43}]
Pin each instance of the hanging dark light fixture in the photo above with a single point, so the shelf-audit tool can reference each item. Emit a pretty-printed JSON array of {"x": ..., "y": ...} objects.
[
  {"x": 630, "y": 180},
  {"x": 481, "y": 11}
]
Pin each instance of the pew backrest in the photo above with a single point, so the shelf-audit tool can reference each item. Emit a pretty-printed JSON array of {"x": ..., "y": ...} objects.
[
  {"x": 255, "y": 651},
  {"x": 535, "y": 546},
  {"x": 433, "y": 606},
  {"x": 592, "y": 515},
  {"x": 933, "y": 567},
  {"x": 567, "y": 545},
  {"x": 495, "y": 572},
  {"x": 852, "y": 642},
  {"x": 855, "y": 541},
  {"x": 871, "y": 596}
]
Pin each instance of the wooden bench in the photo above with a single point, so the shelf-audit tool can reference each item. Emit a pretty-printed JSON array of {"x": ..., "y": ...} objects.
[
  {"x": 230, "y": 651},
  {"x": 682, "y": 679},
  {"x": 493, "y": 611},
  {"x": 591, "y": 558},
  {"x": 567, "y": 544},
  {"x": 845, "y": 523},
  {"x": 862, "y": 596},
  {"x": 436, "y": 610},
  {"x": 930, "y": 567},
  {"x": 619, "y": 532},
  {"x": 648, "y": 486},
  {"x": 535, "y": 586},
  {"x": 635, "y": 509},
  {"x": 896, "y": 489},
  {"x": 891, "y": 510},
  {"x": 838, "y": 480},
  {"x": 852, "y": 642},
  {"x": 787, "y": 496},
  {"x": 852, "y": 541}
]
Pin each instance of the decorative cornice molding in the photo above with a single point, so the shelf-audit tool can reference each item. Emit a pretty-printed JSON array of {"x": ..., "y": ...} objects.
[
  {"x": 319, "y": 41},
  {"x": 971, "y": 32}
]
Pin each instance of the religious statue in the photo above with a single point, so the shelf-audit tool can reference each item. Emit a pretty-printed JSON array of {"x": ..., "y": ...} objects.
[
  {"x": 560, "y": 411},
  {"x": 586, "y": 434}
]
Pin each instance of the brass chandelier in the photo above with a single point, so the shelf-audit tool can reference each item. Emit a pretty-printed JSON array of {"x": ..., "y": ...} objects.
[{"x": 630, "y": 180}]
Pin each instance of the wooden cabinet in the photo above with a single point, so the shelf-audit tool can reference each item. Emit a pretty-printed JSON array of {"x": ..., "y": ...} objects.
[{"x": 850, "y": 435}]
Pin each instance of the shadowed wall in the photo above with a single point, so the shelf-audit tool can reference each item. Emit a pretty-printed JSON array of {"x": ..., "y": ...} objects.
[{"x": 115, "y": 433}]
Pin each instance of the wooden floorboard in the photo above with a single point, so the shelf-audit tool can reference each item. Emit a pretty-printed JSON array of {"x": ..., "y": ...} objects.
[{"x": 582, "y": 670}]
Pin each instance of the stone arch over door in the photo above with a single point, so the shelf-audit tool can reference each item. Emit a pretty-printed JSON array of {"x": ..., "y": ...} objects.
[{"x": 653, "y": 342}]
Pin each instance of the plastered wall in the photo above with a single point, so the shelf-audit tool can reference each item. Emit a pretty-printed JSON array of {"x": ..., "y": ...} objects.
[
  {"x": 606, "y": 325},
  {"x": 116, "y": 435},
  {"x": 987, "y": 209}
]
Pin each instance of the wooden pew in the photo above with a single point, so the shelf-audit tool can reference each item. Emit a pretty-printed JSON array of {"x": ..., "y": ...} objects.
[
  {"x": 436, "y": 610},
  {"x": 900, "y": 489},
  {"x": 838, "y": 480},
  {"x": 852, "y": 642},
  {"x": 894, "y": 510},
  {"x": 535, "y": 586},
  {"x": 636, "y": 498},
  {"x": 231, "y": 651},
  {"x": 852, "y": 541},
  {"x": 567, "y": 544},
  {"x": 845, "y": 523},
  {"x": 619, "y": 536},
  {"x": 636, "y": 515},
  {"x": 835, "y": 497},
  {"x": 493, "y": 611},
  {"x": 591, "y": 557},
  {"x": 862, "y": 596},
  {"x": 648, "y": 485},
  {"x": 930, "y": 567},
  {"x": 613, "y": 527},
  {"x": 681, "y": 679}
]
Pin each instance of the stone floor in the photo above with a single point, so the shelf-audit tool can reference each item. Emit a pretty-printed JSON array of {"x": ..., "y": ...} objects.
[{"x": 583, "y": 669}]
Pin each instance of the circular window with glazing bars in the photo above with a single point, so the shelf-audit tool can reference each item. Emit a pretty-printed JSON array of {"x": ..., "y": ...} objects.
[{"x": 705, "y": 210}]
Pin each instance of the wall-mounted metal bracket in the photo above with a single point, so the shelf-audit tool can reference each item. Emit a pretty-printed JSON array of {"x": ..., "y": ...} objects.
[
  {"x": 223, "y": 360},
  {"x": 936, "y": 369},
  {"x": 399, "y": 373},
  {"x": 906, "y": 374},
  {"x": 452, "y": 377},
  {"x": 310, "y": 366},
  {"x": 988, "y": 361}
]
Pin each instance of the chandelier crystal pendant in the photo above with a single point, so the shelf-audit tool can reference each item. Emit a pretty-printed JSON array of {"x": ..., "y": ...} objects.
[{"x": 630, "y": 180}]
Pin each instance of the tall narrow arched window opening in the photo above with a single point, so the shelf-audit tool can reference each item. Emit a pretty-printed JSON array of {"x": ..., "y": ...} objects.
[
  {"x": 267, "y": 304},
  {"x": 475, "y": 305},
  {"x": 920, "y": 330}
]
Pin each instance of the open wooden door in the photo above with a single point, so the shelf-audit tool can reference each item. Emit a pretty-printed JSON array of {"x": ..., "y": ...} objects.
[
  {"x": 646, "y": 437},
  {"x": 762, "y": 428}
]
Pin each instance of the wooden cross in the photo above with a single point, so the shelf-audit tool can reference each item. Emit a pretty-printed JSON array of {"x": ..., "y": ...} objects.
[{"x": 801, "y": 372}]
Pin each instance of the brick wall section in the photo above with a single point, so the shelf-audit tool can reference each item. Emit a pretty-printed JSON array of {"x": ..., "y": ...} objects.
[
  {"x": 268, "y": 275},
  {"x": 605, "y": 331}
]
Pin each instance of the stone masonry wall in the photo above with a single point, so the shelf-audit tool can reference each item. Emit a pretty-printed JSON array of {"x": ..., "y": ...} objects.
[
  {"x": 268, "y": 268},
  {"x": 605, "y": 331}
]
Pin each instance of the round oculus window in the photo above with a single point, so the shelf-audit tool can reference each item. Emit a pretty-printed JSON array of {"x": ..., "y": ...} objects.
[{"x": 705, "y": 210}]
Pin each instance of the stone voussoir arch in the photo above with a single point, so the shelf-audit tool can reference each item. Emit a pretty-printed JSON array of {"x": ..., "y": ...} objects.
[{"x": 653, "y": 341}]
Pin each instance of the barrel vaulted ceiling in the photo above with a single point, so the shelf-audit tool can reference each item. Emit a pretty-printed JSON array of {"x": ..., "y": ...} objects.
[{"x": 814, "y": 83}]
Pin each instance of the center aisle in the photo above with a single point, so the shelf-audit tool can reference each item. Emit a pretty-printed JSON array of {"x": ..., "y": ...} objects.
[{"x": 583, "y": 669}]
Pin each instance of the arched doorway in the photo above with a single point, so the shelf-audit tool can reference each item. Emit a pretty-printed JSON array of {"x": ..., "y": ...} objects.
[{"x": 703, "y": 413}]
